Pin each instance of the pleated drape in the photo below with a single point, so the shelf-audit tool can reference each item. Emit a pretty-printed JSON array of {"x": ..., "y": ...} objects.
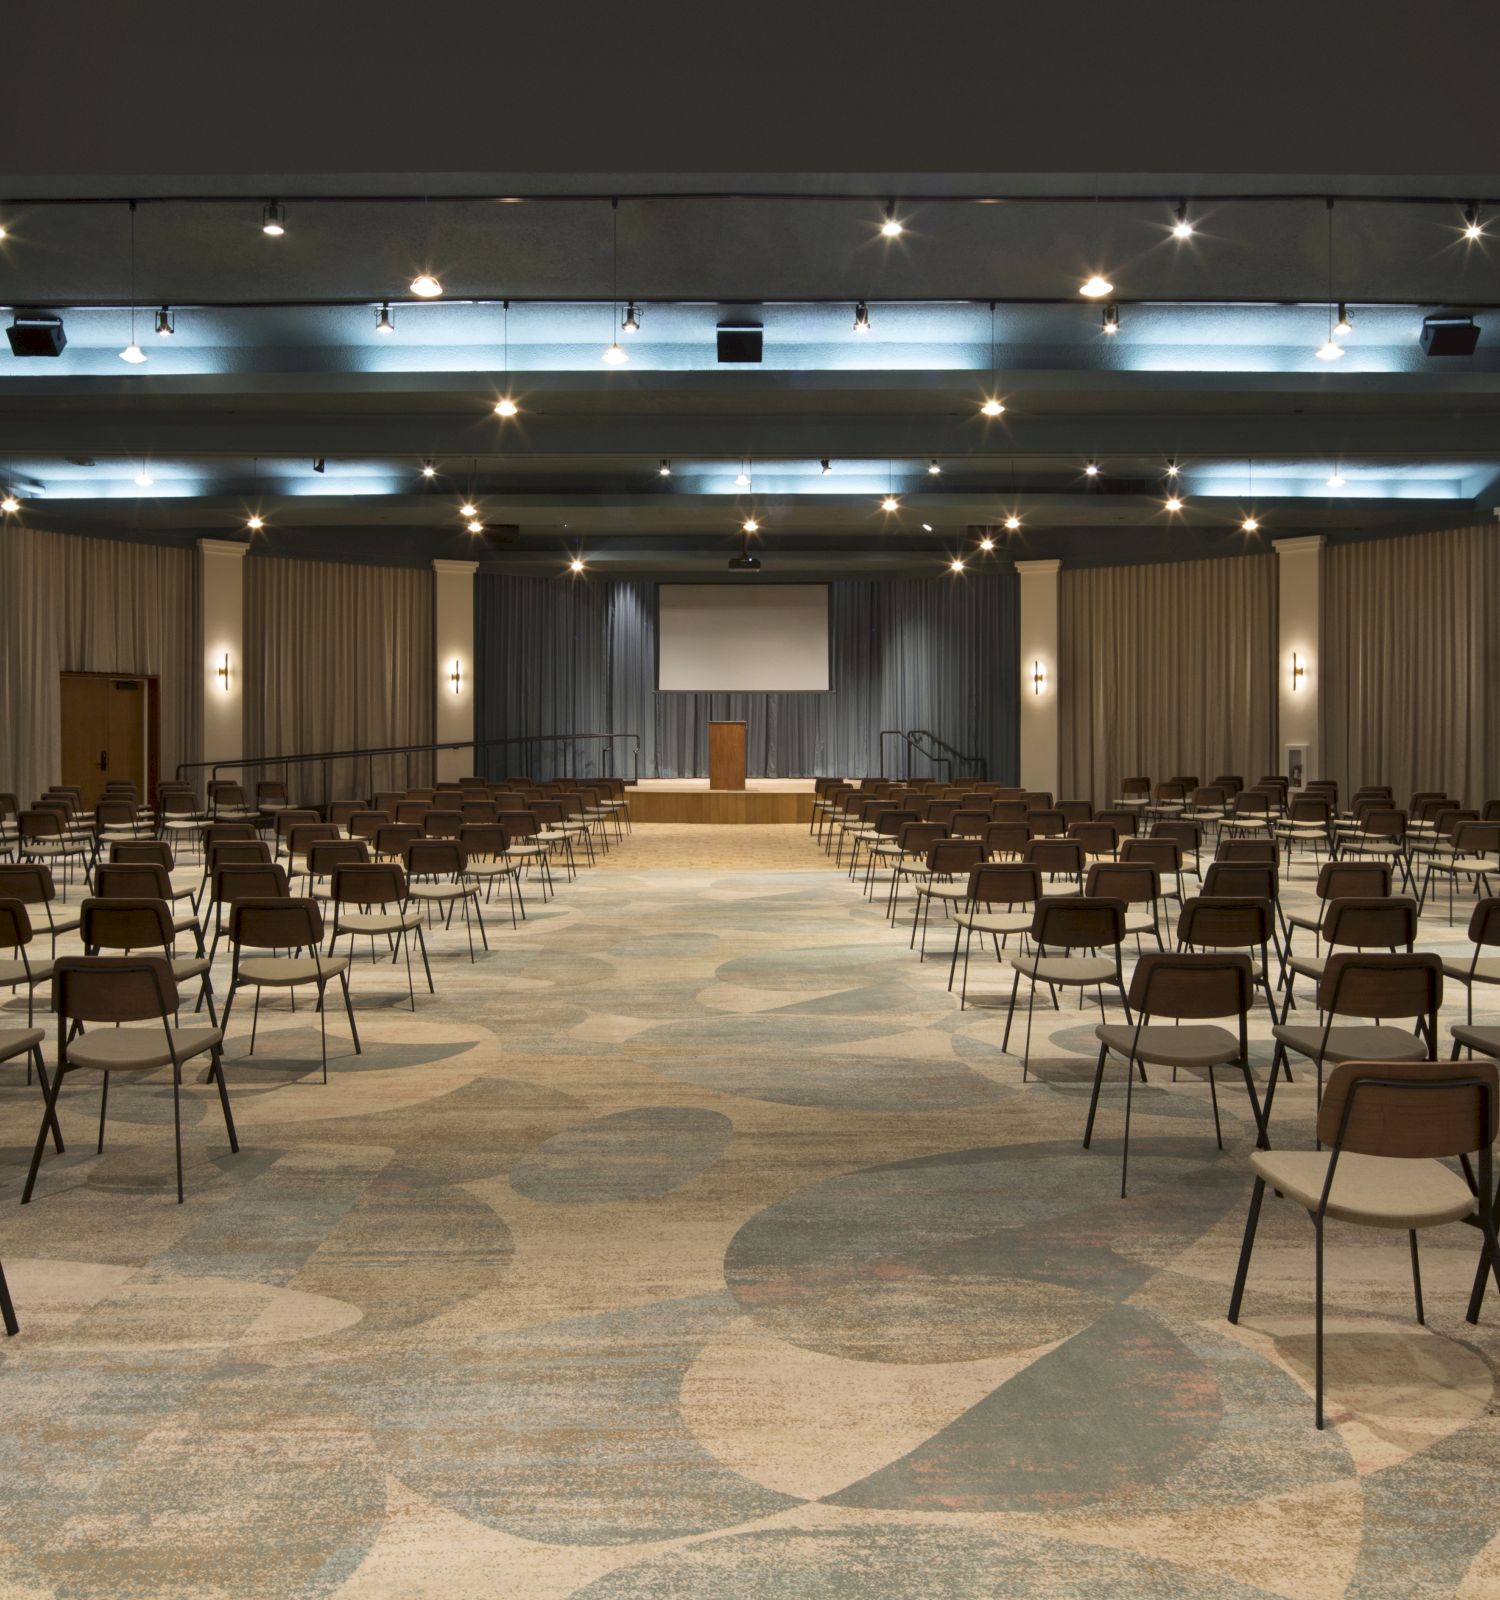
[
  {"x": 907, "y": 653},
  {"x": 338, "y": 657},
  {"x": 1166, "y": 669},
  {"x": 70, "y": 604},
  {"x": 1411, "y": 663}
]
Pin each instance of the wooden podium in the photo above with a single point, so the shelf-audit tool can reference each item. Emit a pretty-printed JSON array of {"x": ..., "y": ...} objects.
[{"x": 726, "y": 755}]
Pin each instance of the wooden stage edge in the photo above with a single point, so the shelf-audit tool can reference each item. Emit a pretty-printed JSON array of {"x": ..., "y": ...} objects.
[{"x": 688, "y": 800}]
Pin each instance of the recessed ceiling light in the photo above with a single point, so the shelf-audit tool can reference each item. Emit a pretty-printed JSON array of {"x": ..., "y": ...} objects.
[
  {"x": 1330, "y": 349},
  {"x": 1173, "y": 469},
  {"x": 956, "y": 564},
  {"x": 425, "y": 286},
  {"x": 1343, "y": 327},
  {"x": 1012, "y": 523},
  {"x": 468, "y": 510},
  {"x": 1174, "y": 502},
  {"x": 1096, "y": 287},
  {"x": 891, "y": 227},
  {"x": 576, "y": 564},
  {"x": 926, "y": 527},
  {"x": 933, "y": 469},
  {"x": 1109, "y": 319},
  {"x": 10, "y": 504},
  {"x": 1473, "y": 227},
  {"x": 750, "y": 525},
  {"x": 428, "y": 470},
  {"x": 890, "y": 503},
  {"x": 164, "y": 324},
  {"x": 1250, "y": 525},
  {"x": 1337, "y": 480},
  {"x": 255, "y": 522},
  {"x": 1091, "y": 470},
  {"x": 133, "y": 354},
  {"x": 506, "y": 407},
  {"x": 475, "y": 525},
  {"x": 614, "y": 355},
  {"x": 143, "y": 479},
  {"x": 665, "y": 469},
  {"x": 383, "y": 323},
  {"x": 861, "y": 318},
  {"x": 273, "y": 219},
  {"x": 3, "y": 233},
  {"x": 991, "y": 408},
  {"x": 1182, "y": 228},
  {"x": 987, "y": 543}
]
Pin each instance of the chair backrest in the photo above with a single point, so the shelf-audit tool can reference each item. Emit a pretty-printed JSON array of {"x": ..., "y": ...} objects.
[
  {"x": 1230, "y": 782},
  {"x": 1047, "y": 824},
  {"x": 548, "y": 812},
  {"x": 424, "y": 795},
  {"x": 1125, "y": 823},
  {"x": 521, "y": 824},
  {"x": 1310, "y": 808},
  {"x": 1163, "y": 854},
  {"x": 134, "y": 880},
  {"x": 1134, "y": 882},
  {"x": 273, "y": 922},
  {"x": 1136, "y": 789},
  {"x": 435, "y": 858},
  {"x": 1484, "y": 923},
  {"x": 393, "y": 838},
  {"x": 116, "y": 814},
  {"x": 125, "y": 924},
  {"x": 252, "y": 880},
  {"x": 1386, "y": 822},
  {"x": 968, "y": 824},
  {"x": 302, "y": 836},
  {"x": 1370, "y": 922},
  {"x": 27, "y": 882},
  {"x": 125, "y": 851},
  {"x": 238, "y": 853},
  {"x": 1261, "y": 852},
  {"x": 479, "y": 809},
  {"x": 1251, "y": 803},
  {"x": 326, "y": 854},
  {"x": 113, "y": 988},
  {"x": 890, "y": 821},
  {"x": 1423, "y": 1110},
  {"x": 1370, "y": 984},
  {"x": 1342, "y": 879},
  {"x": 366, "y": 824},
  {"x": 1055, "y": 855},
  {"x": 386, "y": 800},
  {"x": 1210, "y": 797},
  {"x": 1075, "y": 811},
  {"x": 485, "y": 840},
  {"x": 1188, "y": 780},
  {"x": 15, "y": 925},
  {"x": 339, "y": 811},
  {"x": 917, "y": 838},
  {"x": 1492, "y": 811},
  {"x": 442, "y": 824},
  {"x": 954, "y": 857},
  {"x": 1078, "y": 922},
  {"x": 367, "y": 883},
  {"x": 1225, "y": 922},
  {"x": 298, "y": 817},
  {"x": 412, "y": 811},
  {"x": 1097, "y": 838},
  {"x": 942, "y": 810},
  {"x": 217, "y": 831},
  {"x": 1241, "y": 879},
  {"x": 1188, "y": 836},
  {"x": 1004, "y": 883},
  {"x": 271, "y": 791},
  {"x": 1036, "y": 799},
  {"x": 178, "y": 803},
  {"x": 1008, "y": 811},
  {"x": 42, "y": 822},
  {"x": 1477, "y": 838},
  {"x": 1007, "y": 838},
  {"x": 1171, "y": 792},
  {"x": 1192, "y": 985}
]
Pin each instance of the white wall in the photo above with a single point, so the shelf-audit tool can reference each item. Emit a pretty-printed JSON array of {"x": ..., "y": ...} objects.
[{"x": 221, "y": 592}]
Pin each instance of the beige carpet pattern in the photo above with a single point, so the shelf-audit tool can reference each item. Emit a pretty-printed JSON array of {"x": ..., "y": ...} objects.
[{"x": 691, "y": 1242}]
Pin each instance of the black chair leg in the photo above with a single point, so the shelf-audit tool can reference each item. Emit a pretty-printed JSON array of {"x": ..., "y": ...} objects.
[
  {"x": 1318, "y": 1319},
  {"x": 1088, "y": 1127},
  {"x": 7, "y": 1310},
  {"x": 1416, "y": 1274},
  {"x": 1257, "y": 1194}
]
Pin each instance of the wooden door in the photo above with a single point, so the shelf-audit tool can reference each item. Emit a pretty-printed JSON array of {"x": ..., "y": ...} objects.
[{"x": 104, "y": 732}]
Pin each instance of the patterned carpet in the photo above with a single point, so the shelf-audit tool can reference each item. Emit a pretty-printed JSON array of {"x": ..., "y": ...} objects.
[{"x": 693, "y": 1243}]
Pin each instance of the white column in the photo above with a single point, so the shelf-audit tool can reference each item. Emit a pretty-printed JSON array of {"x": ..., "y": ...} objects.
[
  {"x": 1038, "y": 644},
  {"x": 453, "y": 639},
  {"x": 221, "y": 611},
  {"x": 1299, "y": 565}
]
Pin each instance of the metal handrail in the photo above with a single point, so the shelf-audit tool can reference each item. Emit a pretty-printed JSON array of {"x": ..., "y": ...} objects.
[
  {"x": 370, "y": 753},
  {"x": 912, "y": 738},
  {"x": 978, "y": 762}
]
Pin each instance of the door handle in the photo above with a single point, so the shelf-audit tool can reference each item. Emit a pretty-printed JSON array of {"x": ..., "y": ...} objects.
[{"x": 104, "y": 761}]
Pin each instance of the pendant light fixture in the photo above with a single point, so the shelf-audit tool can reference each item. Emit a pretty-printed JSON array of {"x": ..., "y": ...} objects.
[
  {"x": 1182, "y": 227},
  {"x": 614, "y": 352},
  {"x": 890, "y": 503},
  {"x": 505, "y": 406},
  {"x": 890, "y": 227},
  {"x": 1096, "y": 286},
  {"x": 1251, "y": 524},
  {"x": 255, "y": 522},
  {"x": 132, "y": 352},
  {"x": 1331, "y": 349},
  {"x": 992, "y": 406},
  {"x": 273, "y": 219}
]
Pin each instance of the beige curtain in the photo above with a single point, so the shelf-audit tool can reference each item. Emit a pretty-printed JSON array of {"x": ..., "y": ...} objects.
[
  {"x": 70, "y": 604},
  {"x": 338, "y": 657},
  {"x": 1166, "y": 669},
  {"x": 1411, "y": 663}
]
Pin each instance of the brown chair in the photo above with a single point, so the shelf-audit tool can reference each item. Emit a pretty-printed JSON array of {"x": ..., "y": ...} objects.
[
  {"x": 271, "y": 795},
  {"x": 1061, "y": 861},
  {"x": 18, "y": 970},
  {"x": 437, "y": 877},
  {"x": 1356, "y": 922},
  {"x": 243, "y": 880},
  {"x": 1001, "y": 900},
  {"x": 1138, "y": 884},
  {"x": 45, "y": 839},
  {"x": 32, "y": 885},
  {"x": 1474, "y": 853},
  {"x": 488, "y": 848},
  {"x": 1365, "y": 984},
  {"x": 1188, "y": 837},
  {"x": 909, "y": 863},
  {"x": 124, "y": 989},
  {"x": 1006, "y": 841},
  {"x": 1201, "y": 990},
  {"x": 392, "y": 839},
  {"x": 1163, "y": 854},
  {"x": 1484, "y": 933},
  {"x": 273, "y": 923},
  {"x": 1231, "y": 922},
  {"x": 1338, "y": 880},
  {"x": 1068, "y": 926},
  {"x": 372, "y": 888},
  {"x": 1389, "y": 1127},
  {"x": 1074, "y": 812},
  {"x": 146, "y": 880},
  {"x": 1099, "y": 840},
  {"x": 126, "y": 925},
  {"x": 945, "y": 879}
]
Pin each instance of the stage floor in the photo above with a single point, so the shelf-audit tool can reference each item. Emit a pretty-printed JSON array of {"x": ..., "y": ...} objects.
[{"x": 691, "y": 800}]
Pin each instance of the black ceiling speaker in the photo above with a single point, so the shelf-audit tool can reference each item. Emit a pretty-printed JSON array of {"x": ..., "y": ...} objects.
[
  {"x": 740, "y": 344},
  {"x": 744, "y": 562},
  {"x": 34, "y": 334},
  {"x": 1449, "y": 333}
]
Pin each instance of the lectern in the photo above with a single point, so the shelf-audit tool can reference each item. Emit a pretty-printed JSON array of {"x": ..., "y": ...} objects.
[{"x": 726, "y": 755}]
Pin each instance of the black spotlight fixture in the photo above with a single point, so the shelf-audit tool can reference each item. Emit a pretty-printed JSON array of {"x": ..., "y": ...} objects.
[
  {"x": 34, "y": 333},
  {"x": 319, "y": 464},
  {"x": 1449, "y": 333},
  {"x": 165, "y": 327}
]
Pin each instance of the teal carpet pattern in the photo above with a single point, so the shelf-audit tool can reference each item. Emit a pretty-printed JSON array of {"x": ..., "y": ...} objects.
[{"x": 692, "y": 1242}]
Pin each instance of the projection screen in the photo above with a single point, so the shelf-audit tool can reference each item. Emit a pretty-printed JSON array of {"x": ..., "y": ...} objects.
[{"x": 725, "y": 639}]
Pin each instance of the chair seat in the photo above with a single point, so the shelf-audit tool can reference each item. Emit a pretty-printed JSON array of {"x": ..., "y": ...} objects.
[
  {"x": 1139, "y": 922},
  {"x": 1367, "y": 1042},
  {"x": 15, "y": 972},
  {"x": 17, "y": 1041},
  {"x": 377, "y": 921},
  {"x": 1065, "y": 969},
  {"x": 138, "y": 1049},
  {"x": 492, "y": 869},
  {"x": 1486, "y": 970},
  {"x": 286, "y": 971},
  {"x": 441, "y": 891},
  {"x": 185, "y": 967},
  {"x": 945, "y": 891},
  {"x": 1485, "y": 1040},
  {"x": 995, "y": 921},
  {"x": 1199, "y": 1045},
  {"x": 1061, "y": 887},
  {"x": 1473, "y": 865},
  {"x": 1379, "y": 1191}
]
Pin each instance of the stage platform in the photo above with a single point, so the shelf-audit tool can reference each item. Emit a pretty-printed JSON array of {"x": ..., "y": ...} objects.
[{"x": 691, "y": 800}]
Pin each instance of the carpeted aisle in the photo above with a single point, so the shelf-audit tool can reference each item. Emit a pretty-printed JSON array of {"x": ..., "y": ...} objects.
[{"x": 693, "y": 1243}]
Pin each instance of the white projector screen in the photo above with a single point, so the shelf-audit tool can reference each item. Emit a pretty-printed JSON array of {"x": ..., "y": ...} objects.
[{"x": 722, "y": 638}]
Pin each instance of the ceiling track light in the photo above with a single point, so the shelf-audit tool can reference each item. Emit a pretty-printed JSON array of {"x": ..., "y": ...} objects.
[
  {"x": 1182, "y": 228},
  {"x": 956, "y": 564},
  {"x": 1330, "y": 349},
  {"x": 164, "y": 324},
  {"x": 273, "y": 219},
  {"x": 506, "y": 407},
  {"x": 890, "y": 503},
  {"x": 143, "y": 479},
  {"x": 383, "y": 322},
  {"x": 1343, "y": 327},
  {"x": 576, "y": 564},
  {"x": 1109, "y": 319},
  {"x": 1173, "y": 469},
  {"x": 933, "y": 469},
  {"x": 1337, "y": 480},
  {"x": 1251, "y": 523},
  {"x": 1473, "y": 225},
  {"x": 468, "y": 509},
  {"x": 825, "y": 467},
  {"x": 861, "y": 318},
  {"x": 665, "y": 469},
  {"x": 475, "y": 525},
  {"x": 631, "y": 322},
  {"x": 1091, "y": 469},
  {"x": 429, "y": 469},
  {"x": 891, "y": 227},
  {"x": 992, "y": 407}
]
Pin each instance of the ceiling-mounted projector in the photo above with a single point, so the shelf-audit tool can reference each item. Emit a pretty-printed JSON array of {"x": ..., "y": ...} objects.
[{"x": 744, "y": 562}]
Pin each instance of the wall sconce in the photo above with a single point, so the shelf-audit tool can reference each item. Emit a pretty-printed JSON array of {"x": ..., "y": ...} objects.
[
  {"x": 456, "y": 677},
  {"x": 1299, "y": 671},
  {"x": 223, "y": 673},
  {"x": 1038, "y": 677}
]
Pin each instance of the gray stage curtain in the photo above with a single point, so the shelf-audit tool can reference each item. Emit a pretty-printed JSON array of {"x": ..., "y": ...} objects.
[
  {"x": 1411, "y": 664},
  {"x": 1166, "y": 669},
  {"x": 70, "y": 604},
  {"x": 336, "y": 657},
  {"x": 561, "y": 657}
]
